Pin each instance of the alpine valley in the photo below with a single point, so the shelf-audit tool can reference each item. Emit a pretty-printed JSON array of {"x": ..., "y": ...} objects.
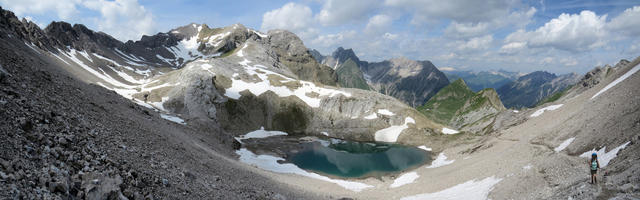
[{"x": 203, "y": 112}]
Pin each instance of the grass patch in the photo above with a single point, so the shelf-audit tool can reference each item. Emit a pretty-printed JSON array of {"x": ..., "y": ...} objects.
[
  {"x": 443, "y": 106},
  {"x": 228, "y": 53}
]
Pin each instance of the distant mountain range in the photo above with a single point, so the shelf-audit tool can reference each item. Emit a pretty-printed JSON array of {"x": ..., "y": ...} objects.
[
  {"x": 516, "y": 90},
  {"x": 483, "y": 79}
]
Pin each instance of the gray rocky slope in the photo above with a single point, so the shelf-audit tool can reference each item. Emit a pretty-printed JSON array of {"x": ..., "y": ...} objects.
[{"x": 64, "y": 139}]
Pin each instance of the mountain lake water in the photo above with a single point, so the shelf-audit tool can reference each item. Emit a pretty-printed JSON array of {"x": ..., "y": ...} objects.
[{"x": 350, "y": 159}]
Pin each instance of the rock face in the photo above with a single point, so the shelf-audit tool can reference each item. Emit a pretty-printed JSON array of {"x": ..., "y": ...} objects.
[
  {"x": 350, "y": 76},
  {"x": 534, "y": 87},
  {"x": 293, "y": 54},
  {"x": 457, "y": 106},
  {"x": 347, "y": 66},
  {"x": 412, "y": 82}
]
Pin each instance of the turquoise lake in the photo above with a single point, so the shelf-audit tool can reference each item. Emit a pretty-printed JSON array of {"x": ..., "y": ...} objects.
[{"x": 357, "y": 159}]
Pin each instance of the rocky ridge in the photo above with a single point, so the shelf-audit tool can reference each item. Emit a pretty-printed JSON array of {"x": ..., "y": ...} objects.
[{"x": 459, "y": 107}]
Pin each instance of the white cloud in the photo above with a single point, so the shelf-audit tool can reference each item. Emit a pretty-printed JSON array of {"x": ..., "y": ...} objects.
[
  {"x": 291, "y": 17},
  {"x": 463, "y": 11},
  {"x": 512, "y": 47},
  {"x": 335, "y": 12},
  {"x": 466, "y": 30},
  {"x": 63, "y": 8},
  {"x": 628, "y": 22},
  {"x": 569, "y": 32},
  {"x": 476, "y": 43},
  {"x": 123, "y": 19},
  {"x": 378, "y": 23}
]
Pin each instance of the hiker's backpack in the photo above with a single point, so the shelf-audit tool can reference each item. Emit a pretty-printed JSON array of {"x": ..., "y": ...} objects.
[{"x": 594, "y": 165}]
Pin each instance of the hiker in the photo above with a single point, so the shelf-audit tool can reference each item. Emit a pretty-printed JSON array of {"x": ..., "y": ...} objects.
[{"x": 595, "y": 165}]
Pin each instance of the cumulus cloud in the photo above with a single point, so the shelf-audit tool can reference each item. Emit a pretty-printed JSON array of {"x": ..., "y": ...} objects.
[
  {"x": 628, "y": 22},
  {"x": 378, "y": 23},
  {"x": 464, "y": 11},
  {"x": 335, "y": 12},
  {"x": 569, "y": 32},
  {"x": 291, "y": 16},
  {"x": 512, "y": 47},
  {"x": 63, "y": 8},
  {"x": 124, "y": 19}
]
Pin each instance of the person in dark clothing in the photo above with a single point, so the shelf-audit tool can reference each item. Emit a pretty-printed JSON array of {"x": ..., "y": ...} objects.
[{"x": 595, "y": 165}]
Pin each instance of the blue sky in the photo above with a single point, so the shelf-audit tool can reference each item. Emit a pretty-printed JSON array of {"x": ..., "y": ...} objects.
[{"x": 514, "y": 35}]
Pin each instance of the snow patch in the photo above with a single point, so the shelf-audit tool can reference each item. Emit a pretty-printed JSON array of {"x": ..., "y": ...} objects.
[
  {"x": 325, "y": 133},
  {"x": 260, "y": 134},
  {"x": 468, "y": 190},
  {"x": 618, "y": 80},
  {"x": 262, "y": 35},
  {"x": 32, "y": 47},
  {"x": 404, "y": 179},
  {"x": 173, "y": 119},
  {"x": 270, "y": 163},
  {"x": 440, "y": 161},
  {"x": 385, "y": 112},
  {"x": 548, "y": 108},
  {"x": 527, "y": 167},
  {"x": 564, "y": 144},
  {"x": 390, "y": 134},
  {"x": 449, "y": 131},
  {"x": 102, "y": 76},
  {"x": 371, "y": 116},
  {"x": 240, "y": 54},
  {"x": 605, "y": 158},
  {"x": 263, "y": 85},
  {"x": 424, "y": 148}
]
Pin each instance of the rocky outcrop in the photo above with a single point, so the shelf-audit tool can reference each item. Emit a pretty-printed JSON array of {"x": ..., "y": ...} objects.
[
  {"x": 293, "y": 54},
  {"x": 529, "y": 89}
]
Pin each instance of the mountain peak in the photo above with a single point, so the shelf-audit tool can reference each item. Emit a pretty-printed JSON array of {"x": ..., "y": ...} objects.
[{"x": 460, "y": 82}]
